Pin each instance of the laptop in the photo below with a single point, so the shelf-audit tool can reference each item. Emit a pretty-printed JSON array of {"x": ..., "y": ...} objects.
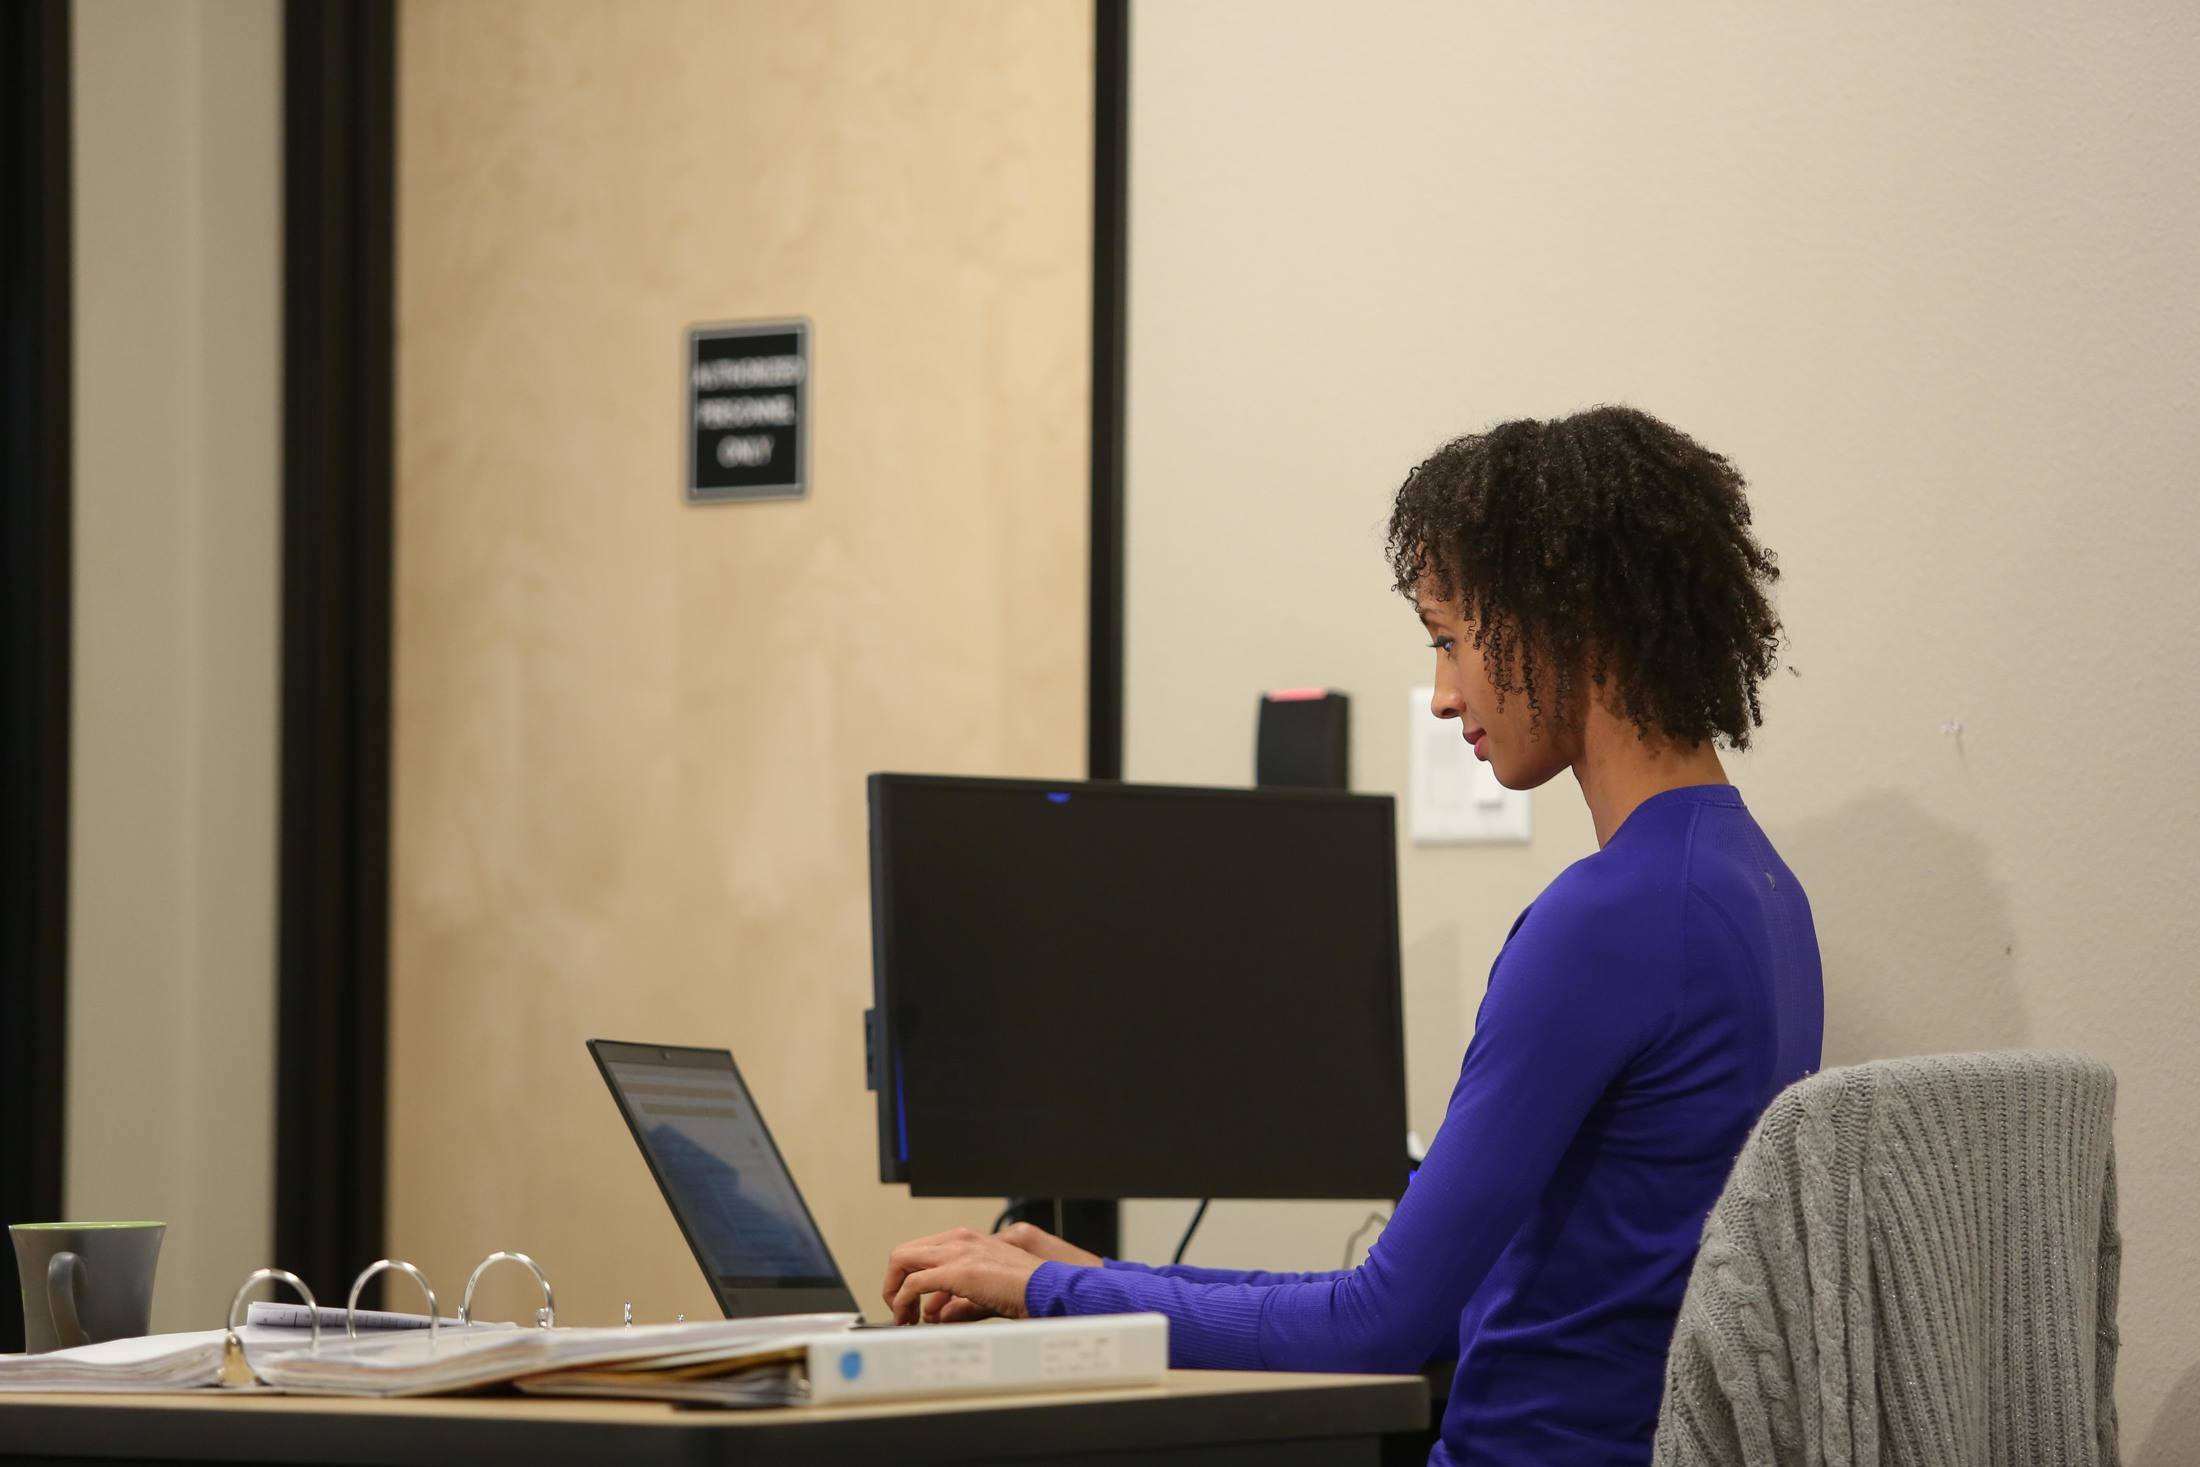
[{"x": 722, "y": 1176}]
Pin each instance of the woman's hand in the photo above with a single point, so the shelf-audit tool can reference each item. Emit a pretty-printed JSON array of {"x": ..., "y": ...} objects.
[
  {"x": 967, "y": 1275},
  {"x": 1043, "y": 1245}
]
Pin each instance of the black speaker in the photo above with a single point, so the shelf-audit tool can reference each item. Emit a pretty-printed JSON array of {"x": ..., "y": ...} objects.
[{"x": 1302, "y": 743}]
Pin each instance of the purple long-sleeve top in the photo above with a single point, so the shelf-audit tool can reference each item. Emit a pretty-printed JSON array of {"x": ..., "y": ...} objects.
[{"x": 1642, "y": 1012}]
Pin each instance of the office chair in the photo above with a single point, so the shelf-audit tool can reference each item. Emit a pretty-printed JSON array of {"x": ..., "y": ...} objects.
[{"x": 1914, "y": 1261}]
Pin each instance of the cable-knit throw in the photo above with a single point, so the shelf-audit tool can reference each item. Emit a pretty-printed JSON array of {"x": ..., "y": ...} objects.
[{"x": 1914, "y": 1263}]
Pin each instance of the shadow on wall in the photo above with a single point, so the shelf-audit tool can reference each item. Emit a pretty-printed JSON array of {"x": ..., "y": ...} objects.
[
  {"x": 1913, "y": 930},
  {"x": 2175, "y": 1439}
]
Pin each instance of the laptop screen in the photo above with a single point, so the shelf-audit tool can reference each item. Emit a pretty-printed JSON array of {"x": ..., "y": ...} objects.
[{"x": 720, "y": 1172}]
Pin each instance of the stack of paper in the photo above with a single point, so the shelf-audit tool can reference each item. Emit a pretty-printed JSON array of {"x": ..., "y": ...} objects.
[
  {"x": 414, "y": 1364},
  {"x": 1099, "y": 1353},
  {"x": 773, "y": 1373},
  {"x": 788, "y": 1360},
  {"x": 145, "y": 1363}
]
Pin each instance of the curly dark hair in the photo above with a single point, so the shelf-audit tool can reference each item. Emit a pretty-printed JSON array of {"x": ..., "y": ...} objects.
[{"x": 1606, "y": 545}]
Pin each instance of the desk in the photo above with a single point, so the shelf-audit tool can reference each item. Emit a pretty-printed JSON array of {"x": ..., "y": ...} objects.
[{"x": 1197, "y": 1418}]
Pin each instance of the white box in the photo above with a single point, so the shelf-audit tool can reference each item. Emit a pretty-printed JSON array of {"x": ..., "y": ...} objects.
[{"x": 988, "y": 1359}]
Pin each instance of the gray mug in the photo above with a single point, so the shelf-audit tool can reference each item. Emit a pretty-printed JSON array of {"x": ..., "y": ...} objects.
[{"x": 85, "y": 1282}]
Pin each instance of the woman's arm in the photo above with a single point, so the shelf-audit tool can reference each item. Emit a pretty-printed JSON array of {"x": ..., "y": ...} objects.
[
  {"x": 1041, "y": 1244},
  {"x": 1257, "y": 1278}
]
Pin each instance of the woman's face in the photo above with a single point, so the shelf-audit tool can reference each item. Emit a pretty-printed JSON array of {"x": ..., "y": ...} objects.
[{"x": 1521, "y": 760}]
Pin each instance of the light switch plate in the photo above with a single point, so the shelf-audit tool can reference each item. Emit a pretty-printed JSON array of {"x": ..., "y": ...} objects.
[{"x": 1452, "y": 796}]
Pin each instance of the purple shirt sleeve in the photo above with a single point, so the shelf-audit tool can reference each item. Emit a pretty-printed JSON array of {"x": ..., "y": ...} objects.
[
  {"x": 1256, "y": 1277},
  {"x": 1565, "y": 1012}
]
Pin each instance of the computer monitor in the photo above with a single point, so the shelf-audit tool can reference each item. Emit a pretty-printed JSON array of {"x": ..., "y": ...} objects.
[{"x": 1113, "y": 990}]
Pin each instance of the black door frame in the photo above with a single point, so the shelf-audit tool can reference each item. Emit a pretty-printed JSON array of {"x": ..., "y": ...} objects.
[
  {"x": 36, "y": 587},
  {"x": 1110, "y": 301},
  {"x": 339, "y": 371},
  {"x": 1090, "y": 1222}
]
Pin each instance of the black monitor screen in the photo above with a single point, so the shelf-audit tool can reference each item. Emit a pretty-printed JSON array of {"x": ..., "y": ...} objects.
[{"x": 1104, "y": 990}]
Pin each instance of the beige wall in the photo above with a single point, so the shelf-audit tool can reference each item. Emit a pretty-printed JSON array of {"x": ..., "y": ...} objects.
[
  {"x": 172, "y": 800},
  {"x": 1927, "y": 274},
  {"x": 630, "y": 734}
]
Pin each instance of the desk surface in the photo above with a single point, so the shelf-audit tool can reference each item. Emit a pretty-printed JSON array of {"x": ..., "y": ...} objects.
[{"x": 1195, "y": 1416}]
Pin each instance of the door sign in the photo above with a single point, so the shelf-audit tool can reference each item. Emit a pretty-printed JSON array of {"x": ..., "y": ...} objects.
[{"x": 748, "y": 411}]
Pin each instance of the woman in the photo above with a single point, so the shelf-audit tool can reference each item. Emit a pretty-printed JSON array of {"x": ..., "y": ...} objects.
[{"x": 1596, "y": 601}]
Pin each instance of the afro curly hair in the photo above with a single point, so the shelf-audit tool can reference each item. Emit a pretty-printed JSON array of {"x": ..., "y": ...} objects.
[{"x": 1606, "y": 546}]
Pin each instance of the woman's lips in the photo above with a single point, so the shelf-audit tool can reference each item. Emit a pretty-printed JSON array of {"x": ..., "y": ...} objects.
[{"x": 1475, "y": 736}]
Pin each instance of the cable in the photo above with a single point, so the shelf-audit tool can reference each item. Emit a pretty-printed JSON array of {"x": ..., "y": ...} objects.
[
  {"x": 1006, "y": 1213},
  {"x": 1352, "y": 1244},
  {"x": 1189, "y": 1229}
]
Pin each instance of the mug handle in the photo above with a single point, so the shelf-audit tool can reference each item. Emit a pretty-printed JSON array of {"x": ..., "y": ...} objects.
[{"x": 64, "y": 1281}]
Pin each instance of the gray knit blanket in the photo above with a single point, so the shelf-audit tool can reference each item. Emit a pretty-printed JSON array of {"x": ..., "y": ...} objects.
[{"x": 1914, "y": 1262}]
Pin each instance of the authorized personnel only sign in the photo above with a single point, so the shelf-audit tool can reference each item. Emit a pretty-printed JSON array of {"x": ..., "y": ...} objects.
[{"x": 748, "y": 410}]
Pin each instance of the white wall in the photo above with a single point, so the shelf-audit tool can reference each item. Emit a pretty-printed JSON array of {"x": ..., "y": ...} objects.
[
  {"x": 172, "y": 864},
  {"x": 1927, "y": 274}
]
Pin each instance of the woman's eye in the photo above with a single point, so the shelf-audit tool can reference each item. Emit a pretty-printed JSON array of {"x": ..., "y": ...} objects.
[{"x": 1442, "y": 644}]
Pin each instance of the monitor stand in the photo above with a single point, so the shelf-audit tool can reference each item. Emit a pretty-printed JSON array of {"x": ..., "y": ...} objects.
[{"x": 1092, "y": 1223}]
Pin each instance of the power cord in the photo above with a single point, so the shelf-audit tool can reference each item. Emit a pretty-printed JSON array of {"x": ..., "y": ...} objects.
[
  {"x": 1006, "y": 1213},
  {"x": 1352, "y": 1244},
  {"x": 1189, "y": 1229}
]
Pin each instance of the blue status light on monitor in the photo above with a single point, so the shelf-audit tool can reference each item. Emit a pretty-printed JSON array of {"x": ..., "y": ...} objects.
[
  {"x": 1057, "y": 797},
  {"x": 901, "y": 1110}
]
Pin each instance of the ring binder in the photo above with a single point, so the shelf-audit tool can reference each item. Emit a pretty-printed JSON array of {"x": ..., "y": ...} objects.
[
  {"x": 545, "y": 1317},
  {"x": 236, "y": 1371},
  {"x": 351, "y": 1305}
]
